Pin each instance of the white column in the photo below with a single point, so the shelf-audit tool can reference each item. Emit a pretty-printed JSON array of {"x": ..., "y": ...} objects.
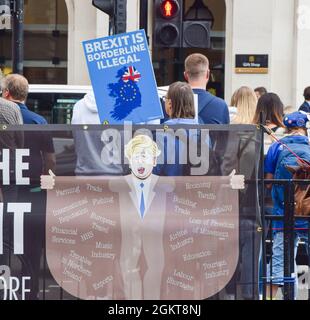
[
  {"x": 251, "y": 34},
  {"x": 85, "y": 22},
  {"x": 282, "y": 44},
  {"x": 102, "y": 25},
  {"x": 229, "y": 61},
  {"x": 133, "y": 14},
  {"x": 279, "y": 28},
  {"x": 302, "y": 50}
]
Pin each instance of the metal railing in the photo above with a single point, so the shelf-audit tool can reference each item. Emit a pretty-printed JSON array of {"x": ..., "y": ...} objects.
[
  {"x": 47, "y": 281},
  {"x": 289, "y": 229}
]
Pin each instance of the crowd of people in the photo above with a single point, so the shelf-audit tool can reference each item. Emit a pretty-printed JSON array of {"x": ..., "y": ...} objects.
[{"x": 248, "y": 106}]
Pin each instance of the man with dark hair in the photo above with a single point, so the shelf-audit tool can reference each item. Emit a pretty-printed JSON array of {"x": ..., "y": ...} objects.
[
  {"x": 306, "y": 105},
  {"x": 260, "y": 91}
]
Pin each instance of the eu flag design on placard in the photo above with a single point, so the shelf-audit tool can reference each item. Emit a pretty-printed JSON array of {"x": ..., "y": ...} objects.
[{"x": 126, "y": 92}]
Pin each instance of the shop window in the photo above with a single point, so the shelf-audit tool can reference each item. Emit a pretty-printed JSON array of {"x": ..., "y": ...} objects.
[{"x": 45, "y": 42}]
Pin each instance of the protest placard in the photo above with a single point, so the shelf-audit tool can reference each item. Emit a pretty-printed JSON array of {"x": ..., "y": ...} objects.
[{"x": 122, "y": 77}]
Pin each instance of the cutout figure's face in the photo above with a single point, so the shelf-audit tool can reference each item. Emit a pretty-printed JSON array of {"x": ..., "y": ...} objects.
[{"x": 142, "y": 163}]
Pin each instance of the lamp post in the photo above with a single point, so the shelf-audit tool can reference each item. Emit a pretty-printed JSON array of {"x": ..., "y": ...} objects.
[{"x": 18, "y": 36}]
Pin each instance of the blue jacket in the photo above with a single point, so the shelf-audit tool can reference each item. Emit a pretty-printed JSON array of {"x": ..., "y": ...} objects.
[
  {"x": 305, "y": 107},
  {"x": 30, "y": 117},
  {"x": 211, "y": 109}
]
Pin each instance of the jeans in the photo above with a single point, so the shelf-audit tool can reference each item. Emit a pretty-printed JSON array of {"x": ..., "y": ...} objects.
[{"x": 277, "y": 272}]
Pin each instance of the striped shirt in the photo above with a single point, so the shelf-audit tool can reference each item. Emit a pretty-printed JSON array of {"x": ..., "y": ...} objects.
[{"x": 10, "y": 114}]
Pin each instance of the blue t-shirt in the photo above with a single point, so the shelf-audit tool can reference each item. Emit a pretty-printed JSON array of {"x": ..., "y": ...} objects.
[
  {"x": 211, "y": 109},
  {"x": 30, "y": 117}
]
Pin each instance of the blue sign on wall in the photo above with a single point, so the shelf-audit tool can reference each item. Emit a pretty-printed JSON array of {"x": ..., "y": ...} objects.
[{"x": 122, "y": 77}]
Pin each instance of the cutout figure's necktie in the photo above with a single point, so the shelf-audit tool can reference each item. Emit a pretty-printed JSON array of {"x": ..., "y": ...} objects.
[{"x": 142, "y": 204}]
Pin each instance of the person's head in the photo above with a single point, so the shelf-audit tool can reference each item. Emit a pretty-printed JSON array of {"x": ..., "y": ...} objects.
[
  {"x": 179, "y": 101},
  {"x": 272, "y": 109},
  {"x": 15, "y": 87},
  {"x": 307, "y": 93},
  {"x": 296, "y": 122},
  {"x": 245, "y": 100},
  {"x": 197, "y": 69},
  {"x": 260, "y": 91},
  {"x": 142, "y": 153}
]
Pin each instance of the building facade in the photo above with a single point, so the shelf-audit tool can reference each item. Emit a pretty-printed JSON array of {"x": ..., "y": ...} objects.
[{"x": 278, "y": 30}]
